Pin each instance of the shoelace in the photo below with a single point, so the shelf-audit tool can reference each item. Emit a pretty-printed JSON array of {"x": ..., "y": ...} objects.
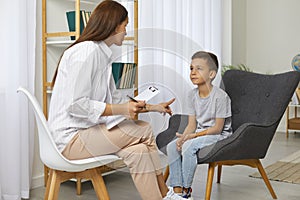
[{"x": 187, "y": 194}]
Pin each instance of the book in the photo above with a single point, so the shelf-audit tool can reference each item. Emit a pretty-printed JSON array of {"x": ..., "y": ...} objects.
[
  {"x": 124, "y": 74},
  {"x": 123, "y": 77},
  {"x": 117, "y": 69},
  {"x": 128, "y": 75},
  {"x": 87, "y": 16},
  {"x": 71, "y": 22},
  {"x": 84, "y": 19},
  {"x": 132, "y": 82},
  {"x": 146, "y": 95},
  {"x": 298, "y": 94}
]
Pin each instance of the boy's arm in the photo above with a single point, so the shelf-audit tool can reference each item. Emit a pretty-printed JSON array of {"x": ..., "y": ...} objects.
[
  {"x": 216, "y": 129},
  {"x": 188, "y": 131},
  {"x": 191, "y": 127}
]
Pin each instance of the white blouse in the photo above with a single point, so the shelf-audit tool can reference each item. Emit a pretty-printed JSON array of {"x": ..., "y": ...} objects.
[{"x": 83, "y": 86}]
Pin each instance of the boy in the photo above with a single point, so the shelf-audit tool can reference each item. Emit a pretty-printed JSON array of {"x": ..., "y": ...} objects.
[{"x": 209, "y": 110}]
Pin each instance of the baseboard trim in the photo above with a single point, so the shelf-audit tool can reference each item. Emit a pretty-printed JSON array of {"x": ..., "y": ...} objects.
[{"x": 37, "y": 181}]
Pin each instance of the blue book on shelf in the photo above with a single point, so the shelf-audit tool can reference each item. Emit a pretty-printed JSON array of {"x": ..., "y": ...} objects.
[
  {"x": 71, "y": 22},
  {"x": 117, "y": 69}
]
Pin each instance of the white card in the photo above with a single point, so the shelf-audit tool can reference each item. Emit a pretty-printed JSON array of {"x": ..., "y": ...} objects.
[{"x": 146, "y": 95}]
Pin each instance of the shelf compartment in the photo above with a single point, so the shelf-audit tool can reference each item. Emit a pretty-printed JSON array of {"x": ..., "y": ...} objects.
[{"x": 294, "y": 123}]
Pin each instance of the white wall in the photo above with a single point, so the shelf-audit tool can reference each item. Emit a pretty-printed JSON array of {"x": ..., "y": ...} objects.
[
  {"x": 266, "y": 35},
  {"x": 272, "y": 34},
  {"x": 226, "y": 32},
  {"x": 239, "y": 34}
]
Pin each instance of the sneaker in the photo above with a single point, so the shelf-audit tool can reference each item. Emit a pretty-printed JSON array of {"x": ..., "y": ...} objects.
[
  {"x": 188, "y": 194},
  {"x": 171, "y": 195}
]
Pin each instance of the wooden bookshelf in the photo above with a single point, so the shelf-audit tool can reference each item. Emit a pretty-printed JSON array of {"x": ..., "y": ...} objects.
[
  {"x": 56, "y": 38},
  {"x": 292, "y": 122}
]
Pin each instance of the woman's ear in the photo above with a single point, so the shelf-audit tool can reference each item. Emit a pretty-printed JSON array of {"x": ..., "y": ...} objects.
[{"x": 118, "y": 29}]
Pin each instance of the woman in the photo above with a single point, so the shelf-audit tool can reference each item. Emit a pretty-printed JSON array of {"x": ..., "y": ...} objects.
[{"x": 84, "y": 98}]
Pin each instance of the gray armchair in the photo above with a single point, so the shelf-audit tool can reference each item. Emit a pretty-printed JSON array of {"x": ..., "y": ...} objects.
[{"x": 258, "y": 103}]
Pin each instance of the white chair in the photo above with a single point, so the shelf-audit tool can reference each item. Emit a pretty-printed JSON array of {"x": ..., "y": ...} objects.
[{"x": 62, "y": 169}]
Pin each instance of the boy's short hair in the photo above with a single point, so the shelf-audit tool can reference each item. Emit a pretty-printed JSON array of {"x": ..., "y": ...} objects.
[{"x": 211, "y": 59}]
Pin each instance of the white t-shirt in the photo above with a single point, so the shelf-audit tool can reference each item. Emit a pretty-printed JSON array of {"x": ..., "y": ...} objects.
[
  {"x": 206, "y": 110},
  {"x": 83, "y": 86}
]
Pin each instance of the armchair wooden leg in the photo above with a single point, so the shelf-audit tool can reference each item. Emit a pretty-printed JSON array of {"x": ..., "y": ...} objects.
[
  {"x": 210, "y": 177},
  {"x": 287, "y": 122},
  {"x": 219, "y": 173},
  {"x": 166, "y": 174},
  {"x": 265, "y": 178},
  {"x": 78, "y": 186}
]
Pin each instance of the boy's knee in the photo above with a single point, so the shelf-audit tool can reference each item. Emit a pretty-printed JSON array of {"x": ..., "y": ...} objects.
[
  {"x": 171, "y": 147},
  {"x": 187, "y": 147}
]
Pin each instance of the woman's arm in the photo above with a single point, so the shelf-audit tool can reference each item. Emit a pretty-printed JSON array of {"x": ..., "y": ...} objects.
[
  {"x": 163, "y": 107},
  {"x": 129, "y": 109}
]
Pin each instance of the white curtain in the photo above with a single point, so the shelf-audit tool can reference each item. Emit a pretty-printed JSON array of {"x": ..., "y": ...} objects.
[
  {"x": 17, "y": 66},
  {"x": 170, "y": 31}
]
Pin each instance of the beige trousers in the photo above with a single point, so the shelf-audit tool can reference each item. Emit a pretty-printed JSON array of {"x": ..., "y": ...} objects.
[{"x": 133, "y": 141}]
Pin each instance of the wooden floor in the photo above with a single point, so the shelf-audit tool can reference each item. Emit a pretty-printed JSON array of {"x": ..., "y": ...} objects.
[{"x": 235, "y": 183}]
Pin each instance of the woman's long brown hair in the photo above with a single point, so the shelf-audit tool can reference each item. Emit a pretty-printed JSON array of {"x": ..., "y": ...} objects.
[{"x": 102, "y": 24}]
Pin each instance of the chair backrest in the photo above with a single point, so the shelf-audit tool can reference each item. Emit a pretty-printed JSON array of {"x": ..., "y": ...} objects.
[
  {"x": 177, "y": 123},
  {"x": 258, "y": 98},
  {"x": 49, "y": 153},
  {"x": 255, "y": 99}
]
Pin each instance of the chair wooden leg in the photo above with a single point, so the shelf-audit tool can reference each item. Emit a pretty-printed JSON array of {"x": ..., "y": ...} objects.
[
  {"x": 57, "y": 177},
  {"x": 210, "y": 177},
  {"x": 99, "y": 185},
  {"x": 166, "y": 174},
  {"x": 46, "y": 174},
  {"x": 48, "y": 185},
  {"x": 54, "y": 186},
  {"x": 219, "y": 173},
  {"x": 265, "y": 178},
  {"x": 78, "y": 186}
]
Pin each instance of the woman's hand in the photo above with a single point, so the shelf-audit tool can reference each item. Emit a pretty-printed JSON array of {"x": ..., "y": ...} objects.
[
  {"x": 163, "y": 107},
  {"x": 134, "y": 108}
]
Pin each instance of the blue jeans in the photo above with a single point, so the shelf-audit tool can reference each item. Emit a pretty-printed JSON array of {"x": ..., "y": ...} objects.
[{"x": 183, "y": 163}]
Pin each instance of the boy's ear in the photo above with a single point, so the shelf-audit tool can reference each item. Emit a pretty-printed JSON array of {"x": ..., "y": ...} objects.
[{"x": 212, "y": 74}]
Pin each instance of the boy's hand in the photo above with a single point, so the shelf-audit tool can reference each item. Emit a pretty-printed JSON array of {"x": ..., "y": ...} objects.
[{"x": 182, "y": 138}]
